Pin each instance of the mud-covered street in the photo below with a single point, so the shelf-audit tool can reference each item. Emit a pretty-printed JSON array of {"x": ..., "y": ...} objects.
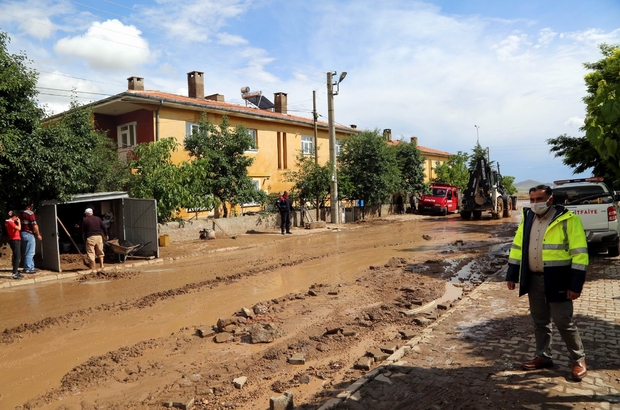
[{"x": 132, "y": 338}]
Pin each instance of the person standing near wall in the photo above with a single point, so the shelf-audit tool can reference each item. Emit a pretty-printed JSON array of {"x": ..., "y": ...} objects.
[
  {"x": 29, "y": 234},
  {"x": 284, "y": 206},
  {"x": 13, "y": 228}
]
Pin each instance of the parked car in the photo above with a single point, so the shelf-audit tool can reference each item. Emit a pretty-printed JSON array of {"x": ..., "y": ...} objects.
[{"x": 597, "y": 206}]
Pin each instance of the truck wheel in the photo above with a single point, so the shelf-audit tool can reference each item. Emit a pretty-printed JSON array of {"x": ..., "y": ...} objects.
[
  {"x": 477, "y": 214},
  {"x": 500, "y": 208},
  {"x": 466, "y": 214},
  {"x": 614, "y": 251},
  {"x": 507, "y": 207},
  {"x": 444, "y": 211}
]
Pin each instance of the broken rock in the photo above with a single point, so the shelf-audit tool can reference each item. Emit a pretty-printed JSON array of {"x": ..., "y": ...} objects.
[
  {"x": 263, "y": 333},
  {"x": 297, "y": 358},
  {"x": 284, "y": 402},
  {"x": 240, "y": 381},
  {"x": 223, "y": 338}
]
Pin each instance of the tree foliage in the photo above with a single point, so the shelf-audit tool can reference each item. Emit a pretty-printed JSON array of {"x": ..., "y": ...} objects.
[
  {"x": 156, "y": 176},
  {"x": 411, "y": 165},
  {"x": 226, "y": 171},
  {"x": 602, "y": 122},
  {"x": 454, "y": 171},
  {"x": 368, "y": 168},
  {"x": 52, "y": 161},
  {"x": 508, "y": 183},
  {"x": 311, "y": 180}
]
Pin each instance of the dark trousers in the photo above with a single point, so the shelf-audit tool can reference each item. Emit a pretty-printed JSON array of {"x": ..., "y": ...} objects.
[
  {"x": 16, "y": 247},
  {"x": 285, "y": 221}
]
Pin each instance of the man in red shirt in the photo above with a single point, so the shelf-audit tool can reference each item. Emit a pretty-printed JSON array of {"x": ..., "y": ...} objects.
[
  {"x": 30, "y": 234},
  {"x": 13, "y": 226}
]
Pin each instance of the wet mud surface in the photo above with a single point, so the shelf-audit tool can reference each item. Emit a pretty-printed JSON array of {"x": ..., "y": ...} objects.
[{"x": 147, "y": 336}]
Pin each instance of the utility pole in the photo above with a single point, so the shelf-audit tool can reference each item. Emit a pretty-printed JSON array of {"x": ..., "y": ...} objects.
[
  {"x": 332, "y": 148},
  {"x": 315, "y": 115},
  {"x": 477, "y": 136}
]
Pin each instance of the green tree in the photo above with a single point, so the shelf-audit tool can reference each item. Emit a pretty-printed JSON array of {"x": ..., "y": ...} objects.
[
  {"x": 226, "y": 172},
  {"x": 454, "y": 171},
  {"x": 368, "y": 168},
  {"x": 508, "y": 183},
  {"x": 580, "y": 155},
  {"x": 56, "y": 160},
  {"x": 311, "y": 180},
  {"x": 602, "y": 122},
  {"x": 156, "y": 176},
  {"x": 411, "y": 166},
  {"x": 478, "y": 152}
]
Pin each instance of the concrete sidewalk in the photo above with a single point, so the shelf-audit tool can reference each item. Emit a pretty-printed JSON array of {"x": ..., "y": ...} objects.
[{"x": 470, "y": 358}]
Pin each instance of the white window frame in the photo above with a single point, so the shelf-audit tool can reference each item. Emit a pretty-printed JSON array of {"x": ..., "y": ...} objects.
[
  {"x": 120, "y": 133},
  {"x": 257, "y": 183},
  {"x": 338, "y": 147},
  {"x": 307, "y": 145},
  {"x": 189, "y": 128},
  {"x": 254, "y": 135}
]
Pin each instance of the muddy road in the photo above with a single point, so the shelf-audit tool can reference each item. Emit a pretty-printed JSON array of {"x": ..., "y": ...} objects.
[{"x": 130, "y": 339}]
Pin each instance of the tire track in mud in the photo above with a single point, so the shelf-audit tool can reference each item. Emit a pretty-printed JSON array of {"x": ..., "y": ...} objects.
[
  {"x": 11, "y": 335},
  {"x": 368, "y": 321}
]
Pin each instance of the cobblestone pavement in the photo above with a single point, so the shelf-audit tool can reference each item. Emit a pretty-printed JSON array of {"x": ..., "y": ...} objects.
[{"x": 470, "y": 358}]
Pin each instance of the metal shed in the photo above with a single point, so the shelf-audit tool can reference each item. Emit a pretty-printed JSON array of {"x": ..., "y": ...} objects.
[{"x": 133, "y": 220}]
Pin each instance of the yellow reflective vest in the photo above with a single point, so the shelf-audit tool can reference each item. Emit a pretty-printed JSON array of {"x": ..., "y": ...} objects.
[{"x": 564, "y": 255}]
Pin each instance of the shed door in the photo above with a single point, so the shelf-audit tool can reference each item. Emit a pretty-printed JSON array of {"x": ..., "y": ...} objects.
[
  {"x": 140, "y": 224},
  {"x": 48, "y": 227}
]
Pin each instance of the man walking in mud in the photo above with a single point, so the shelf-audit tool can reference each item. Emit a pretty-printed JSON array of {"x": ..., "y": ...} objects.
[
  {"x": 284, "y": 206},
  {"x": 548, "y": 259},
  {"x": 93, "y": 229}
]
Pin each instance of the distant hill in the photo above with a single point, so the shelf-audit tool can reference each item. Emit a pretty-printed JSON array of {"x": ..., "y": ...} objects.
[{"x": 524, "y": 186}]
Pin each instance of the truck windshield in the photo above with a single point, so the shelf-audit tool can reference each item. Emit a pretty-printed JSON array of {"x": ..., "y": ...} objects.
[
  {"x": 587, "y": 194},
  {"x": 439, "y": 192}
]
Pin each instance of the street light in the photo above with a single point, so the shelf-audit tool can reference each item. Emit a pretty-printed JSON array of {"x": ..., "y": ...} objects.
[
  {"x": 477, "y": 137},
  {"x": 332, "y": 140}
]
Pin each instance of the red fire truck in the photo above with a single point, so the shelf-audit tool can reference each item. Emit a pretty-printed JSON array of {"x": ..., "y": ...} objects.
[{"x": 444, "y": 198}]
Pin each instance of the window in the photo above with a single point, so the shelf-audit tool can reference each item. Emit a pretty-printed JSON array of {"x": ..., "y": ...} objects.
[
  {"x": 338, "y": 147},
  {"x": 307, "y": 145},
  {"x": 256, "y": 182},
  {"x": 254, "y": 136},
  {"x": 127, "y": 135},
  {"x": 190, "y": 127}
]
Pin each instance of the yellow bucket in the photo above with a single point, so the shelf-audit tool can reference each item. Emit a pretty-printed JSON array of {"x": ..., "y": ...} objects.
[{"x": 164, "y": 240}]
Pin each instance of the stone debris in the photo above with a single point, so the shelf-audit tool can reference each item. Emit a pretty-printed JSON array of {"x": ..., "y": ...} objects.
[
  {"x": 347, "y": 331},
  {"x": 305, "y": 379},
  {"x": 312, "y": 293},
  {"x": 260, "y": 309},
  {"x": 226, "y": 324},
  {"x": 389, "y": 348},
  {"x": 442, "y": 306},
  {"x": 205, "y": 332},
  {"x": 378, "y": 355},
  {"x": 332, "y": 330},
  {"x": 263, "y": 333},
  {"x": 408, "y": 334},
  {"x": 239, "y": 382},
  {"x": 284, "y": 402},
  {"x": 247, "y": 313},
  {"x": 427, "y": 237},
  {"x": 364, "y": 363},
  {"x": 297, "y": 358},
  {"x": 183, "y": 405},
  {"x": 332, "y": 292},
  {"x": 422, "y": 321},
  {"x": 223, "y": 337}
]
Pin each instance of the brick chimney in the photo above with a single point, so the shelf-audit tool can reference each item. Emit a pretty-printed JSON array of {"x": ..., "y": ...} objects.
[
  {"x": 196, "y": 84},
  {"x": 280, "y": 102},
  {"x": 135, "y": 83},
  {"x": 414, "y": 141},
  {"x": 387, "y": 134}
]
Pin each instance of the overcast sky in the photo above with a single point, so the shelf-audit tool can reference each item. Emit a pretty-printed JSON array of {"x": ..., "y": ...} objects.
[{"x": 431, "y": 69}]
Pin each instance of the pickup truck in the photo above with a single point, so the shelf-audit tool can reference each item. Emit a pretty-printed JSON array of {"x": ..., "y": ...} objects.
[{"x": 597, "y": 206}]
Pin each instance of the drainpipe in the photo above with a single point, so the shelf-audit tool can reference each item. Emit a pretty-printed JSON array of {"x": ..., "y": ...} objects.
[{"x": 161, "y": 102}]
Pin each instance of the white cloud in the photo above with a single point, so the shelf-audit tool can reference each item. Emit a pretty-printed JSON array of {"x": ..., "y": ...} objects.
[
  {"x": 575, "y": 122},
  {"x": 110, "y": 45},
  {"x": 193, "y": 20},
  {"x": 231, "y": 40},
  {"x": 33, "y": 17},
  {"x": 545, "y": 37}
]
